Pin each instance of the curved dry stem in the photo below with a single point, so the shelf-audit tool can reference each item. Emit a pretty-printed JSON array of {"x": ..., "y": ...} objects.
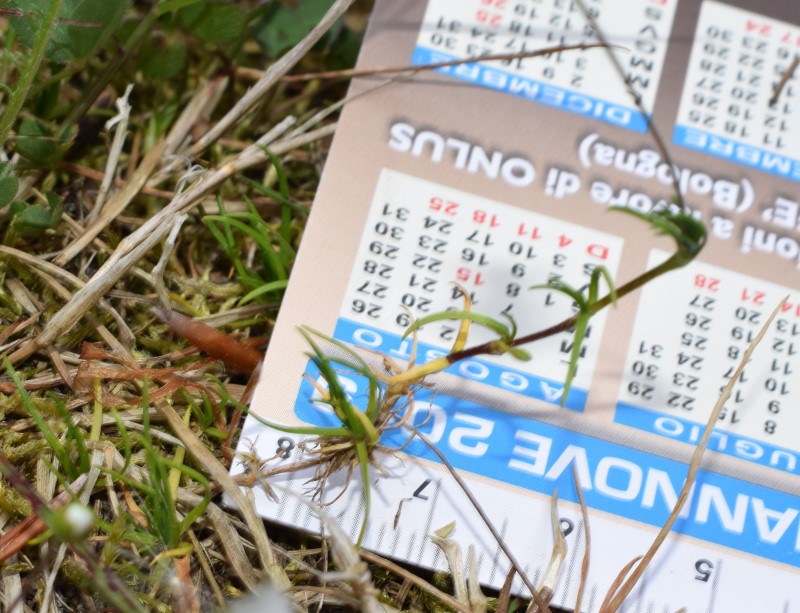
[
  {"x": 694, "y": 467},
  {"x": 587, "y": 540}
]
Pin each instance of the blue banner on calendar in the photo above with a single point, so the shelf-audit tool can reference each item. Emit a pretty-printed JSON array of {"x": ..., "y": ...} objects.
[
  {"x": 624, "y": 482},
  {"x": 475, "y": 369},
  {"x": 687, "y": 431},
  {"x": 489, "y": 76},
  {"x": 729, "y": 149}
]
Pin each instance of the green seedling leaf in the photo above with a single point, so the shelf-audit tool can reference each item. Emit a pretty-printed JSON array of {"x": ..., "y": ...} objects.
[
  {"x": 196, "y": 477},
  {"x": 688, "y": 233},
  {"x": 564, "y": 288},
  {"x": 34, "y": 219},
  {"x": 284, "y": 25},
  {"x": 264, "y": 289},
  {"x": 77, "y": 437},
  {"x": 58, "y": 449},
  {"x": 357, "y": 425},
  {"x": 83, "y": 25},
  {"x": 160, "y": 60},
  {"x": 36, "y": 144},
  {"x": 9, "y": 185},
  {"x": 356, "y": 364},
  {"x": 124, "y": 438},
  {"x": 501, "y": 329},
  {"x": 585, "y": 306},
  {"x": 277, "y": 196},
  {"x": 225, "y": 227},
  {"x": 517, "y": 352},
  {"x": 286, "y": 252},
  {"x": 363, "y": 461},
  {"x": 214, "y": 23}
]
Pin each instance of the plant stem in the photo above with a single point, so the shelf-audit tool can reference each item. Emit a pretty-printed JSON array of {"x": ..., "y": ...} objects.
[
  {"x": 674, "y": 262},
  {"x": 26, "y": 78},
  {"x": 488, "y": 522},
  {"x": 694, "y": 468}
]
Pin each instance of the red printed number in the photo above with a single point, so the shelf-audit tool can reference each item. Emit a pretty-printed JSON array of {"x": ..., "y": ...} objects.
[
  {"x": 490, "y": 19},
  {"x": 709, "y": 283},
  {"x": 753, "y": 296},
  {"x": 448, "y": 207},
  {"x": 482, "y": 217}
]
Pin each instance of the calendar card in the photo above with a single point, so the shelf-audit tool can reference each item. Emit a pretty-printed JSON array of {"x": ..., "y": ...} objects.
[{"x": 497, "y": 178}]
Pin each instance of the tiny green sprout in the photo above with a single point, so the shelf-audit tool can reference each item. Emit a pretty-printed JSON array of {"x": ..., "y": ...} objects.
[
  {"x": 585, "y": 306},
  {"x": 688, "y": 233},
  {"x": 9, "y": 185},
  {"x": 506, "y": 332},
  {"x": 34, "y": 219},
  {"x": 353, "y": 442}
]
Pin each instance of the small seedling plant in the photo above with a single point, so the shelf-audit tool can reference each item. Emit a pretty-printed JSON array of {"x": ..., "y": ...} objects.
[{"x": 355, "y": 444}]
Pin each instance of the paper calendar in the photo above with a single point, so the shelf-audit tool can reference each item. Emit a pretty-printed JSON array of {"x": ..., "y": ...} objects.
[{"x": 493, "y": 178}]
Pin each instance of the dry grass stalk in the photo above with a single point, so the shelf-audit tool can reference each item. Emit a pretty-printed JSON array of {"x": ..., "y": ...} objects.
[
  {"x": 120, "y": 121},
  {"x": 166, "y": 254},
  {"x": 220, "y": 474},
  {"x": 587, "y": 547},
  {"x": 504, "y": 599},
  {"x": 617, "y": 582},
  {"x": 446, "y": 599},
  {"x": 465, "y": 587},
  {"x": 201, "y": 106},
  {"x": 147, "y": 236},
  {"x": 49, "y": 272},
  {"x": 271, "y": 77},
  {"x": 352, "y": 569},
  {"x": 205, "y": 565},
  {"x": 557, "y": 556},
  {"x": 539, "y": 601},
  {"x": 115, "y": 205},
  {"x": 12, "y": 593},
  {"x": 614, "y": 603}
]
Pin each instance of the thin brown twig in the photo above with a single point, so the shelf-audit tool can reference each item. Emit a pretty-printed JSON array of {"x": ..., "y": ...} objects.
[
  {"x": 494, "y": 57},
  {"x": 637, "y": 99},
  {"x": 787, "y": 74}
]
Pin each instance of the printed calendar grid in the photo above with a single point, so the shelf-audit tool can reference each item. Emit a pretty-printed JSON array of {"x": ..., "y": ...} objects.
[
  {"x": 726, "y": 107},
  {"x": 584, "y": 83},
  {"x": 424, "y": 243},
  {"x": 680, "y": 358}
]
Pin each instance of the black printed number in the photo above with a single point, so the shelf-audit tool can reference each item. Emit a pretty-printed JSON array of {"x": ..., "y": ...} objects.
[{"x": 285, "y": 446}]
